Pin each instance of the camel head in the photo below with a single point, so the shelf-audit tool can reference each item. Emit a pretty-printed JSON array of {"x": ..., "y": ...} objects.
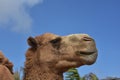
[{"x": 60, "y": 53}]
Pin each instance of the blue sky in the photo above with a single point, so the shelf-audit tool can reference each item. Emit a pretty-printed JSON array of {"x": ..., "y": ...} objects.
[{"x": 98, "y": 18}]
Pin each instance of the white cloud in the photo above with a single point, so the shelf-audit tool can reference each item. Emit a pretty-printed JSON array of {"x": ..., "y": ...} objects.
[{"x": 14, "y": 16}]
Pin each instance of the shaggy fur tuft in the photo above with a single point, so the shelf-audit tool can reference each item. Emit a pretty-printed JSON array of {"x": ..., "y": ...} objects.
[{"x": 6, "y": 68}]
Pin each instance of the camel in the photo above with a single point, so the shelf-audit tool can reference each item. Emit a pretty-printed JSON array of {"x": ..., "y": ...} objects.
[
  {"x": 6, "y": 68},
  {"x": 50, "y": 55}
]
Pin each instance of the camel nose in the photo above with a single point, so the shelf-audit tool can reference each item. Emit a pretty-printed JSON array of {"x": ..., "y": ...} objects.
[{"x": 87, "y": 39}]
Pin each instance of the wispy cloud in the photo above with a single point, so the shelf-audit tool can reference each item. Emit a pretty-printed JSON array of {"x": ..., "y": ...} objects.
[{"x": 14, "y": 16}]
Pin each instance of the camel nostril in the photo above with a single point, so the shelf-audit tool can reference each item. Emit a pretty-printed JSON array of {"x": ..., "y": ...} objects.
[{"x": 87, "y": 39}]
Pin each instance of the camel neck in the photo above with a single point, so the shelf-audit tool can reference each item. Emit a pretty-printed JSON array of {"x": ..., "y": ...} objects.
[{"x": 41, "y": 73}]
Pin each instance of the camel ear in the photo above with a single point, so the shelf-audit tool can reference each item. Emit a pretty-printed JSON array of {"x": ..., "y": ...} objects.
[{"x": 32, "y": 42}]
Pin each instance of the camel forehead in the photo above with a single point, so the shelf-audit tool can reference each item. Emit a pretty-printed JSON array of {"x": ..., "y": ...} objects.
[
  {"x": 49, "y": 36},
  {"x": 45, "y": 37}
]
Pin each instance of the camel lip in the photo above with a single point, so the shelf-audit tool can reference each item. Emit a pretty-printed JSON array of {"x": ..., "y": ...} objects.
[{"x": 85, "y": 52}]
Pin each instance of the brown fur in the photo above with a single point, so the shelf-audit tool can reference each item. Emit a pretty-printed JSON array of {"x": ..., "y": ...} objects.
[
  {"x": 6, "y": 70},
  {"x": 50, "y": 55}
]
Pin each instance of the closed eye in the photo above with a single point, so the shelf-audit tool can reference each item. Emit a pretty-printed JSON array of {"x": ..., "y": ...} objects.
[{"x": 56, "y": 42}]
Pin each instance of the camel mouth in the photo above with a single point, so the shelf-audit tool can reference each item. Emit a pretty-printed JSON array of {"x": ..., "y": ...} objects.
[
  {"x": 85, "y": 52},
  {"x": 88, "y": 58}
]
